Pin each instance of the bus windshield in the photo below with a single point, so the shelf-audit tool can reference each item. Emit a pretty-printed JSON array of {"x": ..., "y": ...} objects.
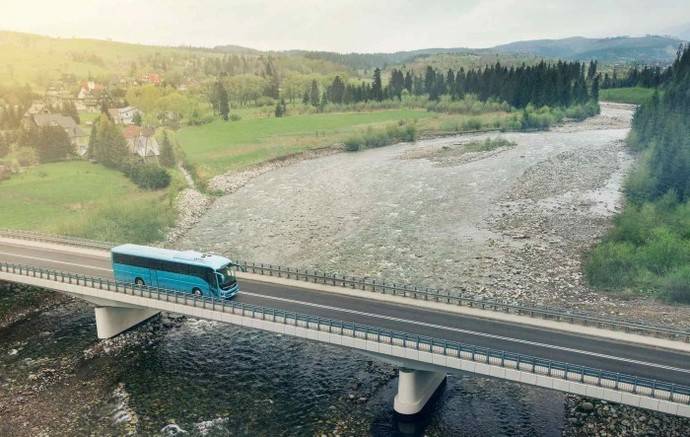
[{"x": 228, "y": 276}]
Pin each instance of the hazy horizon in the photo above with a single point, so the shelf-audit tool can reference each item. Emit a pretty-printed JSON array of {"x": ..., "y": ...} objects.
[{"x": 345, "y": 26}]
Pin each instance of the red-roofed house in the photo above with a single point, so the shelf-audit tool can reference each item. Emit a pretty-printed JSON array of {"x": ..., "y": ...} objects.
[{"x": 141, "y": 141}]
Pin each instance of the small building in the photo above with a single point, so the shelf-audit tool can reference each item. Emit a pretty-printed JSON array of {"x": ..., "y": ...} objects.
[
  {"x": 124, "y": 115},
  {"x": 89, "y": 93},
  {"x": 152, "y": 78},
  {"x": 78, "y": 137},
  {"x": 142, "y": 142}
]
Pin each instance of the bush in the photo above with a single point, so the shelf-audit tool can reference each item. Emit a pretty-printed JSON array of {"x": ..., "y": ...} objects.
[
  {"x": 611, "y": 265},
  {"x": 138, "y": 223},
  {"x": 371, "y": 138},
  {"x": 488, "y": 145},
  {"x": 470, "y": 104},
  {"x": 353, "y": 144},
  {"x": 676, "y": 285},
  {"x": 148, "y": 176},
  {"x": 235, "y": 117}
]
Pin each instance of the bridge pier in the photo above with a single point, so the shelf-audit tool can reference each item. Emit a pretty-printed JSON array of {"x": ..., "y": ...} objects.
[
  {"x": 111, "y": 321},
  {"x": 415, "y": 388}
]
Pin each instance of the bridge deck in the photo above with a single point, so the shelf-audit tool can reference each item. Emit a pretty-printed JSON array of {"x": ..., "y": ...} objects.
[{"x": 611, "y": 355}]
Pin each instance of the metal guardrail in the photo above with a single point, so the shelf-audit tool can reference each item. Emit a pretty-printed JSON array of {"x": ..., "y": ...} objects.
[
  {"x": 413, "y": 292},
  {"x": 510, "y": 360},
  {"x": 60, "y": 239},
  {"x": 433, "y": 295}
]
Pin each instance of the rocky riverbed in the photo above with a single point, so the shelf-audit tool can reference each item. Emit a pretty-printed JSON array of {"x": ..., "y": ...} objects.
[{"x": 511, "y": 223}]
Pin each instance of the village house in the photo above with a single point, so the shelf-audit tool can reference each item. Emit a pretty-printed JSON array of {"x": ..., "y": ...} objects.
[
  {"x": 124, "y": 115},
  {"x": 89, "y": 93},
  {"x": 78, "y": 137},
  {"x": 152, "y": 78},
  {"x": 141, "y": 142}
]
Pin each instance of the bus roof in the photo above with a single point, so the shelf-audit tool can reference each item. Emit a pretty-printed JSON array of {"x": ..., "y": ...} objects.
[{"x": 187, "y": 257}]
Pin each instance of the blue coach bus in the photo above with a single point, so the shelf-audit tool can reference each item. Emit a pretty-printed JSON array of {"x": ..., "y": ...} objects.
[{"x": 188, "y": 271}]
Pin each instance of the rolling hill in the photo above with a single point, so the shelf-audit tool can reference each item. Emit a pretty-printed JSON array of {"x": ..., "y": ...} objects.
[{"x": 643, "y": 50}]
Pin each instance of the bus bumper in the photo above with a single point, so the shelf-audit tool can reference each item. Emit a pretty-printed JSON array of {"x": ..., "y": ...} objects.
[{"x": 230, "y": 292}]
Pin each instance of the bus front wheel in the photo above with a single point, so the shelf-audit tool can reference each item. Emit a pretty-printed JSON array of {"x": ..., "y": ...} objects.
[
  {"x": 197, "y": 292},
  {"x": 139, "y": 281}
]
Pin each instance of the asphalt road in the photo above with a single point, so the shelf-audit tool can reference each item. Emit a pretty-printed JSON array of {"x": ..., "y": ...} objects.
[{"x": 611, "y": 355}]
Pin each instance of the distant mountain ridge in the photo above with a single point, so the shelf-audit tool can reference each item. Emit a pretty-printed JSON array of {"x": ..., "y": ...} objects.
[
  {"x": 681, "y": 31},
  {"x": 648, "y": 49}
]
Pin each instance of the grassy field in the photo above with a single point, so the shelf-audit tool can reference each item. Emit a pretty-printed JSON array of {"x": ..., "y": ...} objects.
[
  {"x": 84, "y": 199},
  {"x": 634, "y": 95},
  {"x": 221, "y": 146},
  {"x": 86, "y": 118}
]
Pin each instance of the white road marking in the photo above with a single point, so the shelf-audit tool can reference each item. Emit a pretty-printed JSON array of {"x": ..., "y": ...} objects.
[
  {"x": 466, "y": 331},
  {"x": 55, "y": 261}
]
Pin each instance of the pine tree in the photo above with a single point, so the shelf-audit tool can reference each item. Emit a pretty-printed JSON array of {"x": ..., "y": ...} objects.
[
  {"x": 376, "y": 86},
  {"x": 595, "y": 88},
  {"x": 314, "y": 94},
  {"x": 167, "y": 156},
  {"x": 53, "y": 144},
  {"x": 110, "y": 147},
  {"x": 223, "y": 104}
]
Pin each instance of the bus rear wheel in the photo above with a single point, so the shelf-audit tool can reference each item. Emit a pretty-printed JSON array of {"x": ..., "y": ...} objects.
[
  {"x": 197, "y": 292},
  {"x": 139, "y": 281}
]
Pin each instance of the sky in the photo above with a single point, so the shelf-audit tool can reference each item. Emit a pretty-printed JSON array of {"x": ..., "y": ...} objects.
[{"x": 340, "y": 25}]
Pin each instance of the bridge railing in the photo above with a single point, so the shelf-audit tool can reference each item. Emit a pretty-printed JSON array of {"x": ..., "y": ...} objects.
[
  {"x": 478, "y": 354},
  {"x": 413, "y": 292},
  {"x": 59, "y": 239},
  {"x": 447, "y": 297}
]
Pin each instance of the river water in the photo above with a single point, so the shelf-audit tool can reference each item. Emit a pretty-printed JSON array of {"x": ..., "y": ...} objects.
[{"x": 189, "y": 377}]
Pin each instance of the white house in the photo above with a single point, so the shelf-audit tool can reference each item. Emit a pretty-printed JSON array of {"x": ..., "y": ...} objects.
[
  {"x": 142, "y": 142},
  {"x": 123, "y": 115}
]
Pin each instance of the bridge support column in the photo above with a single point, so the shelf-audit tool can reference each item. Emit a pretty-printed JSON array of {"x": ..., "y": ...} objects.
[
  {"x": 415, "y": 388},
  {"x": 111, "y": 321}
]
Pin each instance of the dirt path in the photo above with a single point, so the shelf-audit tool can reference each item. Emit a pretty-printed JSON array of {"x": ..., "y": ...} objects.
[{"x": 511, "y": 223}]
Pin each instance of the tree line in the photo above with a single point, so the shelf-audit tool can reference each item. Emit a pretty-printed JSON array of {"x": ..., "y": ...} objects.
[
  {"x": 649, "y": 247},
  {"x": 552, "y": 84},
  {"x": 647, "y": 77}
]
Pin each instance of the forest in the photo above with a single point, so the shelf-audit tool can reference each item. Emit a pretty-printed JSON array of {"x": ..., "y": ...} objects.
[{"x": 649, "y": 248}]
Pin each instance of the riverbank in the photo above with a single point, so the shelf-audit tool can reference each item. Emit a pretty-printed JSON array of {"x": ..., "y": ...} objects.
[{"x": 510, "y": 223}]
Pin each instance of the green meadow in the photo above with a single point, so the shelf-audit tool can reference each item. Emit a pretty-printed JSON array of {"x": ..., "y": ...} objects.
[
  {"x": 84, "y": 199},
  {"x": 633, "y": 95},
  {"x": 221, "y": 146}
]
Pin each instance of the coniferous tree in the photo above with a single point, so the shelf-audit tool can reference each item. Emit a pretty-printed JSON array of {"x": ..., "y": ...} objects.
[
  {"x": 314, "y": 94},
  {"x": 595, "y": 88},
  {"x": 167, "y": 156},
  {"x": 110, "y": 147},
  {"x": 53, "y": 144},
  {"x": 377, "y": 86},
  {"x": 223, "y": 103}
]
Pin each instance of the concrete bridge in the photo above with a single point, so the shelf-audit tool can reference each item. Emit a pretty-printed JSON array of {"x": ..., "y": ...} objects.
[{"x": 424, "y": 338}]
